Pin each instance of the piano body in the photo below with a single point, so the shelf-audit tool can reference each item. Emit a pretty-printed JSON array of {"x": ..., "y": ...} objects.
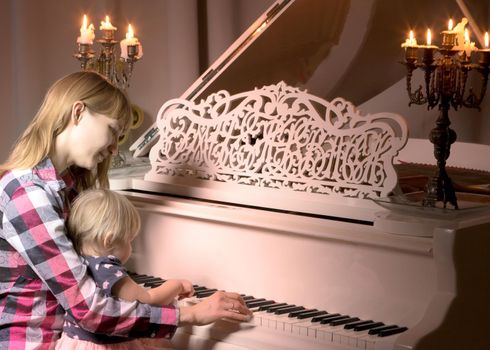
[{"x": 274, "y": 192}]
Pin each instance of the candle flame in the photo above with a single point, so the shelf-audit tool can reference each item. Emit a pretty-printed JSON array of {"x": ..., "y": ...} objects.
[
  {"x": 429, "y": 37},
  {"x": 450, "y": 24},
  {"x": 130, "y": 33},
  {"x": 84, "y": 23},
  {"x": 107, "y": 25},
  {"x": 486, "y": 39},
  {"x": 410, "y": 35},
  {"x": 466, "y": 36}
]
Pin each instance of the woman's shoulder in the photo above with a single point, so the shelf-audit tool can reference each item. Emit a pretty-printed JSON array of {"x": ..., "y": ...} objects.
[
  {"x": 41, "y": 176},
  {"x": 15, "y": 179}
]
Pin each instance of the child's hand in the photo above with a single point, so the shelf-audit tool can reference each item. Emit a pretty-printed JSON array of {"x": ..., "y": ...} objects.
[{"x": 187, "y": 290}]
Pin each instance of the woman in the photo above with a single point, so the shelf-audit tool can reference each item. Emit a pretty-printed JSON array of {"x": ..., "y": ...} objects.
[{"x": 67, "y": 148}]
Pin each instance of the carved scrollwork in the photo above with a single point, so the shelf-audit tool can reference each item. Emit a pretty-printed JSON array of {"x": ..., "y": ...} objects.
[{"x": 279, "y": 137}]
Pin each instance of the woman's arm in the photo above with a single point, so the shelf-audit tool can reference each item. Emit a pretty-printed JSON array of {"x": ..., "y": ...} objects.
[
  {"x": 164, "y": 294},
  {"x": 33, "y": 225}
]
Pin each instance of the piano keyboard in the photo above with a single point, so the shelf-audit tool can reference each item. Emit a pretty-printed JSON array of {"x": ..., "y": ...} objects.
[{"x": 349, "y": 332}]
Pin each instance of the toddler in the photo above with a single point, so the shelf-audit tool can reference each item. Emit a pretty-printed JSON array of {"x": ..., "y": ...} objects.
[{"x": 102, "y": 225}]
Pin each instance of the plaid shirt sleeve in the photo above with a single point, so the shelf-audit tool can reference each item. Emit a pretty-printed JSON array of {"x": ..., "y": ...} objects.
[{"x": 33, "y": 224}]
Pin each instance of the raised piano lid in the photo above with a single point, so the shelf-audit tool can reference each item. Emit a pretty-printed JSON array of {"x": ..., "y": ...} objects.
[{"x": 295, "y": 41}]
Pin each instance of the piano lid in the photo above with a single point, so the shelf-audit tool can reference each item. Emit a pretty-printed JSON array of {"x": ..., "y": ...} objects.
[{"x": 331, "y": 48}]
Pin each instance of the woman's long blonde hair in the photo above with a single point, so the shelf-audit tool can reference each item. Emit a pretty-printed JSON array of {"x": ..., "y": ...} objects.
[
  {"x": 101, "y": 219},
  {"x": 98, "y": 95}
]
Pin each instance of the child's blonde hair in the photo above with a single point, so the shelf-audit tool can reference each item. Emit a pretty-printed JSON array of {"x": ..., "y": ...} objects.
[
  {"x": 98, "y": 95},
  {"x": 101, "y": 219}
]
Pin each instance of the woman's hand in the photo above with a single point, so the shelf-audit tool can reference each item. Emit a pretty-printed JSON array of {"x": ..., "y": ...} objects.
[{"x": 220, "y": 304}]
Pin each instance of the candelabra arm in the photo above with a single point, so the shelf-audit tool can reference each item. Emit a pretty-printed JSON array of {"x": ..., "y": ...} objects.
[
  {"x": 416, "y": 97},
  {"x": 474, "y": 100}
]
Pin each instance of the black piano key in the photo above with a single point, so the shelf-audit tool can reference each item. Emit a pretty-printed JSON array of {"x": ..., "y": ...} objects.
[
  {"x": 247, "y": 297},
  {"x": 153, "y": 281},
  {"x": 368, "y": 326},
  {"x": 376, "y": 330},
  {"x": 344, "y": 321},
  {"x": 147, "y": 281},
  {"x": 139, "y": 278},
  {"x": 154, "y": 284},
  {"x": 206, "y": 293},
  {"x": 332, "y": 319},
  {"x": 254, "y": 299},
  {"x": 199, "y": 289},
  {"x": 278, "y": 306},
  {"x": 267, "y": 307},
  {"x": 358, "y": 323},
  {"x": 319, "y": 318},
  {"x": 392, "y": 331},
  {"x": 260, "y": 303},
  {"x": 300, "y": 312},
  {"x": 287, "y": 310},
  {"x": 312, "y": 314},
  {"x": 148, "y": 278}
]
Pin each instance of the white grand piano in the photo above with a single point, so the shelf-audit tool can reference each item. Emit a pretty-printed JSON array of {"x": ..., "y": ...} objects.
[{"x": 258, "y": 186}]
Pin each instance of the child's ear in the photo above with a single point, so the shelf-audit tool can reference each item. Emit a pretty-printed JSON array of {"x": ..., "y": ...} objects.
[{"x": 108, "y": 242}]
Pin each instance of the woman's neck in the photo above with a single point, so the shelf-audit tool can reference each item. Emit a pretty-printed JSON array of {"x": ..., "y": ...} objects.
[{"x": 58, "y": 156}]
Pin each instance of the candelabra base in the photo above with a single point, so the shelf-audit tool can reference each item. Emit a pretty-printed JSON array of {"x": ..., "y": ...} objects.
[
  {"x": 440, "y": 188},
  {"x": 118, "y": 160}
]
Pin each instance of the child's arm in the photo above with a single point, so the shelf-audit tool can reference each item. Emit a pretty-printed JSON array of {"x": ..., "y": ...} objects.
[{"x": 165, "y": 294}]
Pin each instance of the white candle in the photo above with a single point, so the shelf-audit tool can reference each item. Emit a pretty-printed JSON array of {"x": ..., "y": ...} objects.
[
  {"x": 87, "y": 34},
  {"x": 130, "y": 40},
  {"x": 429, "y": 37},
  {"x": 450, "y": 24},
  {"x": 107, "y": 25},
  {"x": 486, "y": 40},
  {"x": 410, "y": 41},
  {"x": 468, "y": 46}
]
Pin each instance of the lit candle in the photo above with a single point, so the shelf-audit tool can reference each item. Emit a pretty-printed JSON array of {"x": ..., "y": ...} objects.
[
  {"x": 131, "y": 45},
  {"x": 450, "y": 24},
  {"x": 108, "y": 29},
  {"x": 485, "y": 53},
  {"x": 87, "y": 34},
  {"x": 410, "y": 41},
  {"x": 130, "y": 38},
  {"x": 107, "y": 25},
  {"x": 429, "y": 37},
  {"x": 468, "y": 46}
]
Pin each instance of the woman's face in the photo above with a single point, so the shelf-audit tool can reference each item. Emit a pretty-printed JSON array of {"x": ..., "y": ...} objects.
[{"x": 94, "y": 138}]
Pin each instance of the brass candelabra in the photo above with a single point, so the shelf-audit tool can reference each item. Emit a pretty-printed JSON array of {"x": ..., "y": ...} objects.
[
  {"x": 446, "y": 70},
  {"x": 117, "y": 70}
]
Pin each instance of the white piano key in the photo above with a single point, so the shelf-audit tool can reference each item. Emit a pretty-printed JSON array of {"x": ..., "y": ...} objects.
[
  {"x": 258, "y": 317},
  {"x": 290, "y": 323},
  {"x": 301, "y": 327}
]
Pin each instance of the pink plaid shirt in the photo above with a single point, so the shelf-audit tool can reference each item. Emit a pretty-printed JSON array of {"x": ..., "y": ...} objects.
[{"x": 41, "y": 275}]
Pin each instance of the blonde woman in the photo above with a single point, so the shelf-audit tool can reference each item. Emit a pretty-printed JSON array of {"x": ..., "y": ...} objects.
[
  {"x": 67, "y": 147},
  {"x": 102, "y": 225}
]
